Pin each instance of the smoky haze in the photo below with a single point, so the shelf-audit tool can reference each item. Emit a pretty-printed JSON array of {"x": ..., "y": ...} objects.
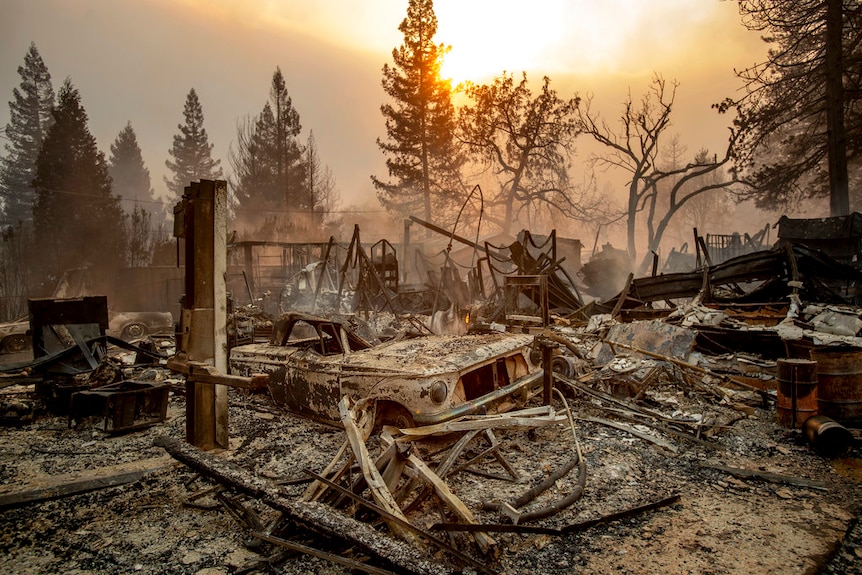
[{"x": 136, "y": 61}]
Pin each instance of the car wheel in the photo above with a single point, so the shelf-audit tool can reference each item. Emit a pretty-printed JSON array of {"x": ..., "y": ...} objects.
[
  {"x": 134, "y": 331},
  {"x": 15, "y": 343},
  {"x": 394, "y": 415}
]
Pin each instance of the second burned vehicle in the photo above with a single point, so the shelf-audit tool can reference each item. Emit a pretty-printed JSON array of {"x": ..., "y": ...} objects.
[{"x": 312, "y": 362}]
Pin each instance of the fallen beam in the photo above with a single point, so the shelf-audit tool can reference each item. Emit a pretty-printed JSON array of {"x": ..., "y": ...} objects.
[
  {"x": 322, "y": 554},
  {"x": 771, "y": 477},
  {"x": 320, "y": 518},
  {"x": 81, "y": 482},
  {"x": 632, "y": 431},
  {"x": 573, "y": 528},
  {"x": 406, "y": 524}
]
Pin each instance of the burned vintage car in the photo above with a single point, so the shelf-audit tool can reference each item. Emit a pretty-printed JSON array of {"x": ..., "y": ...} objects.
[
  {"x": 131, "y": 325},
  {"x": 127, "y": 325},
  {"x": 14, "y": 336},
  {"x": 312, "y": 362}
]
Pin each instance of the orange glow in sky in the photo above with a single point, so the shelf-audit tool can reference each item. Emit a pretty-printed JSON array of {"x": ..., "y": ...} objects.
[
  {"x": 607, "y": 37},
  {"x": 135, "y": 61},
  {"x": 569, "y": 36}
]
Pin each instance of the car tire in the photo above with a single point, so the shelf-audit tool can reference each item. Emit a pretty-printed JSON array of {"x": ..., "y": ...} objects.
[
  {"x": 134, "y": 331},
  {"x": 389, "y": 413},
  {"x": 15, "y": 343}
]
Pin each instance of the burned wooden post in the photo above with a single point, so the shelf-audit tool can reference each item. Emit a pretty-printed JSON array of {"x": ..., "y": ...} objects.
[
  {"x": 548, "y": 380},
  {"x": 201, "y": 219}
]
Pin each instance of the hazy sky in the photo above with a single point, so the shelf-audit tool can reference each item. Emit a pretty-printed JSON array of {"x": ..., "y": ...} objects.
[{"x": 135, "y": 61}]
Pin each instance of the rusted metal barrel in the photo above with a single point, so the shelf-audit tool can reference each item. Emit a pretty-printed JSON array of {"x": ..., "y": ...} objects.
[
  {"x": 839, "y": 382},
  {"x": 828, "y": 437},
  {"x": 797, "y": 391}
]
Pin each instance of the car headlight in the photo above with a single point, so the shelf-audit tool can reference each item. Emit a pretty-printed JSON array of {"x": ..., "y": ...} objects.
[{"x": 439, "y": 391}]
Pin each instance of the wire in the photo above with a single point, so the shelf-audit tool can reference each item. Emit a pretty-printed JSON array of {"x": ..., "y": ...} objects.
[
  {"x": 452, "y": 236},
  {"x": 168, "y": 204}
]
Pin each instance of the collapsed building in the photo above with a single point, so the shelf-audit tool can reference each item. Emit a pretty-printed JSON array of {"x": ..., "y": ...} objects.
[{"x": 476, "y": 394}]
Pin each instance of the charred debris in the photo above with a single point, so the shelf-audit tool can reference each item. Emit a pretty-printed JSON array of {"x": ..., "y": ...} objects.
[{"x": 671, "y": 359}]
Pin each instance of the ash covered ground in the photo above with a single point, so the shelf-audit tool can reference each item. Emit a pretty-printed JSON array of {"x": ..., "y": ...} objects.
[{"x": 168, "y": 521}]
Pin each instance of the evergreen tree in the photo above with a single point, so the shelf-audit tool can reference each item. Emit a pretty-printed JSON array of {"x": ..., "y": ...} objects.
[
  {"x": 247, "y": 162},
  {"x": 130, "y": 177},
  {"x": 77, "y": 221},
  {"x": 290, "y": 171},
  {"x": 269, "y": 171},
  {"x": 800, "y": 119},
  {"x": 422, "y": 158},
  {"x": 30, "y": 118},
  {"x": 191, "y": 150}
]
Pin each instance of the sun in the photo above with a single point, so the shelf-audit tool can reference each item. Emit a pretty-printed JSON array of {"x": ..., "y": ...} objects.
[
  {"x": 550, "y": 37},
  {"x": 487, "y": 38}
]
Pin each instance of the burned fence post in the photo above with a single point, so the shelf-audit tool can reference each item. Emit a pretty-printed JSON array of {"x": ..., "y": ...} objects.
[{"x": 547, "y": 346}]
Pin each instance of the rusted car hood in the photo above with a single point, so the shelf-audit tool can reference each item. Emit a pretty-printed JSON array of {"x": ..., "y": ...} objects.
[
  {"x": 422, "y": 356},
  {"x": 435, "y": 354}
]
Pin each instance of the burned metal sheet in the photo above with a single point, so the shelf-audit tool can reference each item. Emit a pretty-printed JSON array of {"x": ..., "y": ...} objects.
[{"x": 654, "y": 336}]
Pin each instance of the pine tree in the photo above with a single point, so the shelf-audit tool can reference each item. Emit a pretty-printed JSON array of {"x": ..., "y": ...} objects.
[
  {"x": 269, "y": 171},
  {"x": 145, "y": 224},
  {"x": 30, "y": 118},
  {"x": 423, "y": 160},
  {"x": 191, "y": 150},
  {"x": 130, "y": 177},
  {"x": 77, "y": 221},
  {"x": 799, "y": 113},
  {"x": 290, "y": 172}
]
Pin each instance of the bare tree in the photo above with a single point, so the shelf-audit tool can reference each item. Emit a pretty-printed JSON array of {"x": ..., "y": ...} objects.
[
  {"x": 323, "y": 196},
  {"x": 143, "y": 237},
  {"x": 634, "y": 147},
  {"x": 709, "y": 210}
]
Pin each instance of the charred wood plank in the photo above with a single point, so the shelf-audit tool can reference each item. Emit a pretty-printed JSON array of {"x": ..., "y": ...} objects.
[
  {"x": 74, "y": 483},
  {"x": 632, "y": 431},
  {"x": 573, "y": 528},
  {"x": 382, "y": 496},
  {"x": 485, "y": 541},
  {"x": 621, "y": 514},
  {"x": 407, "y": 525},
  {"x": 292, "y": 546},
  {"x": 315, "y": 490},
  {"x": 771, "y": 477},
  {"x": 510, "y": 420},
  {"x": 320, "y": 518}
]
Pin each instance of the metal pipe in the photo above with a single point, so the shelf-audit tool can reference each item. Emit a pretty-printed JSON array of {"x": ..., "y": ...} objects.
[{"x": 828, "y": 437}]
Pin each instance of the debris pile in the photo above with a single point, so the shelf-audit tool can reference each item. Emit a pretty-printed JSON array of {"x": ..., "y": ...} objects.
[{"x": 664, "y": 428}]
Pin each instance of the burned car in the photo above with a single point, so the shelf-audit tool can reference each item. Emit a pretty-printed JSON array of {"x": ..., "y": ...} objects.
[
  {"x": 312, "y": 362},
  {"x": 131, "y": 325},
  {"x": 14, "y": 336},
  {"x": 127, "y": 325}
]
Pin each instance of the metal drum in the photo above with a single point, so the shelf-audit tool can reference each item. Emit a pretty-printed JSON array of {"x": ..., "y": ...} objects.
[
  {"x": 797, "y": 391},
  {"x": 839, "y": 382}
]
